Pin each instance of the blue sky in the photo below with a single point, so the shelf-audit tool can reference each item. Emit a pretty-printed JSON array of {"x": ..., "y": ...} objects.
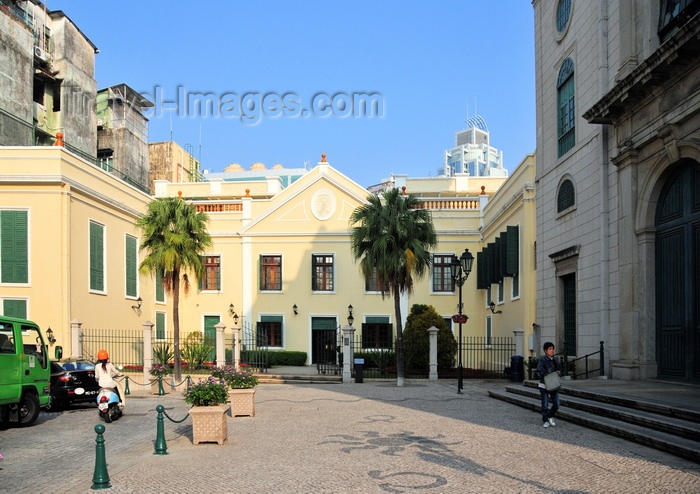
[{"x": 430, "y": 64}]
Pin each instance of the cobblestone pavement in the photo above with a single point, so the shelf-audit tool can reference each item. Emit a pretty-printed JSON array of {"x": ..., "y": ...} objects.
[{"x": 350, "y": 438}]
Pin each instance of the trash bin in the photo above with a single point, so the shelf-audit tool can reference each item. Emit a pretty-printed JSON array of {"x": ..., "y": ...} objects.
[
  {"x": 516, "y": 368},
  {"x": 359, "y": 364}
]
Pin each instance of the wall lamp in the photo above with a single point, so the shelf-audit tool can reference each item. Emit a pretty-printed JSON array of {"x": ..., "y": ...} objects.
[
  {"x": 233, "y": 314},
  {"x": 351, "y": 319},
  {"x": 295, "y": 309},
  {"x": 50, "y": 337},
  {"x": 137, "y": 307},
  {"x": 492, "y": 307}
]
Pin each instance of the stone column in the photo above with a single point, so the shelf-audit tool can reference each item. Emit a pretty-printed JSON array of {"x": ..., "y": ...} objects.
[
  {"x": 348, "y": 338},
  {"x": 519, "y": 341},
  {"x": 433, "y": 374},
  {"x": 147, "y": 350},
  {"x": 236, "y": 346},
  {"x": 76, "y": 342},
  {"x": 220, "y": 349}
]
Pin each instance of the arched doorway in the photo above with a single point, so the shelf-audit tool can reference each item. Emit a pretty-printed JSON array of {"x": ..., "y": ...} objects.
[{"x": 678, "y": 275}]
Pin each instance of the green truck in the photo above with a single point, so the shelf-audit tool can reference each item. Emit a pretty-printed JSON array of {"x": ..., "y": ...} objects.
[{"x": 25, "y": 371}]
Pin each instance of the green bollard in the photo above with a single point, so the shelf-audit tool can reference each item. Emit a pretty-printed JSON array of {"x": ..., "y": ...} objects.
[
  {"x": 126, "y": 387},
  {"x": 161, "y": 447},
  {"x": 100, "y": 479},
  {"x": 161, "y": 391}
]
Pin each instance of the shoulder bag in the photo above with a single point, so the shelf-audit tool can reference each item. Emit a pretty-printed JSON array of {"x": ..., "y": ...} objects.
[{"x": 552, "y": 381}]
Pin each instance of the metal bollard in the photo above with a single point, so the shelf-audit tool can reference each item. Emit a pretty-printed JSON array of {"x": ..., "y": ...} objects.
[
  {"x": 126, "y": 386},
  {"x": 100, "y": 479},
  {"x": 161, "y": 447},
  {"x": 161, "y": 391}
]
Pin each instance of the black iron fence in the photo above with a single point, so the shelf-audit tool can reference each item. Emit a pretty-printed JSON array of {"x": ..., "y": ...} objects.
[
  {"x": 254, "y": 347},
  {"x": 482, "y": 358},
  {"x": 487, "y": 357},
  {"x": 125, "y": 346}
]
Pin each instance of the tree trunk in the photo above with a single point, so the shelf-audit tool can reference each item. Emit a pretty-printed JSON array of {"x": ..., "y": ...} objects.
[
  {"x": 400, "y": 360},
  {"x": 177, "y": 373}
]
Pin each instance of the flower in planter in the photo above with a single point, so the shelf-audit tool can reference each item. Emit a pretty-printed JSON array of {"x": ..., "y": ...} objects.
[
  {"x": 159, "y": 370},
  {"x": 241, "y": 379},
  {"x": 206, "y": 393}
]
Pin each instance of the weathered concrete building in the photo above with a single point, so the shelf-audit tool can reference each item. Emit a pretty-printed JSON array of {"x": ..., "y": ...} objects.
[
  {"x": 51, "y": 87},
  {"x": 170, "y": 161},
  {"x": 122, "y": 134}
]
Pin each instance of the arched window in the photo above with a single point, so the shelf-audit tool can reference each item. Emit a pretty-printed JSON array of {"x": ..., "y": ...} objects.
[
  {"x": 566, "y": 107},
  {"x": 566, "y": 197}
]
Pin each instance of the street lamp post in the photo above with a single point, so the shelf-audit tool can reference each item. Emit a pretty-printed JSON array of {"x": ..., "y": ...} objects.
[{"x": 461, "y": 267}]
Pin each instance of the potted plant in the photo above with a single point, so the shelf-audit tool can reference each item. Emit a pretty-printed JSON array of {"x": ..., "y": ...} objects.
[
  {"x": 208, "y": 412},
  {"x": 241, "y": 388},
  {"x": 158, "y": 371}
]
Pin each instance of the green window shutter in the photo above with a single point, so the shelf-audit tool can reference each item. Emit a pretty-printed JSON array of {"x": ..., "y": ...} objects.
[
  {"x": 131, "y": 288},
  {"x": 504, "y": 255},
  {"x": 377, "y": 320},
  {"x": 97, "y": 257},
  {"x": 160, "y": 291},
  {"x": 481, "y": 270},
  {"x": 14, "y": 247},
  {"x": 499, "y": 256},
  {"x": 200, "y": 283},
  {"x": 160, "y": 325},
  {"x": 14, "y": 308},
  {"x": 260, "y": 273},
  {"x": 491, "y": 264},
  {"x": 271, "y": 318},
  {"x": 513, "y": 254}
]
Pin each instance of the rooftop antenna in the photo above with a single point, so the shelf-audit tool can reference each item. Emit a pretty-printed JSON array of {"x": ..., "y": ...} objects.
[{"x": 171, "y": 126}]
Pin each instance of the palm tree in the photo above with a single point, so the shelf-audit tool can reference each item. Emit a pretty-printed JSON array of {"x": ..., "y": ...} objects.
[
  {"x": 174, "y": 237},
  {"x": 393, "y": 237}
]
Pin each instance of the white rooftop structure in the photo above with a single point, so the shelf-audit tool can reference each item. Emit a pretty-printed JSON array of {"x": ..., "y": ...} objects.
[{"x": 472, "y": 153}]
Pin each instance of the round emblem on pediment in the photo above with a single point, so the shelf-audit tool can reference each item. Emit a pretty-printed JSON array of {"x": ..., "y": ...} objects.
[{"x": 323, "y": 204}]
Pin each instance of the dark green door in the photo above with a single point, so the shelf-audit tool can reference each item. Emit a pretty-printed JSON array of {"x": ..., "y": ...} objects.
[
  {"x": 210, "y": 335},
  {"x": 678, "y": 276}
]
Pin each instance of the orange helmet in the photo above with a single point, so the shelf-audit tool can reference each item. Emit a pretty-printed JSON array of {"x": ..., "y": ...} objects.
[{"x": 102, "y": 355}]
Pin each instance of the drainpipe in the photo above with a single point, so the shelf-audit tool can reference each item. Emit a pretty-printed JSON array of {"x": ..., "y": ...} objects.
[{"x": 604, "y": 180}]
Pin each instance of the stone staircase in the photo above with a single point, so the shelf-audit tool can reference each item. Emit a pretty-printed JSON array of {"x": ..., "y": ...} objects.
[
  {"x": 306, "y": 378},
  {"x": 669, "y": 428}
]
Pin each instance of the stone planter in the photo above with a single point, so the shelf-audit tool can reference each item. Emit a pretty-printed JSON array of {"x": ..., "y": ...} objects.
[
  {"x": 209, "y": 424},
  {"x": 154, "y": 386},
  {"x": 242, "y": 401}
]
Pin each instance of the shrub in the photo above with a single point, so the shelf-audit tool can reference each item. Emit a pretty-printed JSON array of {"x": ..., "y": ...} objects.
[
  {"x": 196, "y": 350},
  {"x": 159, "y": 370},
  {"x": 163, "y": 353},
  {"x": 239, "y": 379},
  {"x": 206, "y": 393},
  {"x": 286, "y": 357},
  {"x": 417, "y": 339}
]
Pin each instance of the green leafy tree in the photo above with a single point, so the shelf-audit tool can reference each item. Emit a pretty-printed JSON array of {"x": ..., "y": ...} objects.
[
  {"x": 417, "y": 339},
  {"x": 392, "y": 237},
  {"x": 174, "y": 238}
]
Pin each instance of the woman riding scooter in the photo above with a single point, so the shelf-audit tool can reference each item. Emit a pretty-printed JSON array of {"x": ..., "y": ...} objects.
[{"x": 110, "y": 395}]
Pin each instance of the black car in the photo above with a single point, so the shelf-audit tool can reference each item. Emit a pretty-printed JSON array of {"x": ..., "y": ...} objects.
[{"x": 73, "y": 381}]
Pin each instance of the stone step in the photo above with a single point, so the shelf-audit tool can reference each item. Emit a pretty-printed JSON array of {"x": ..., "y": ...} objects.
[
  {"x": 663, "y": 441},
  {"x": 656, "y": 407},
  {"x": 658, "y": 421}
]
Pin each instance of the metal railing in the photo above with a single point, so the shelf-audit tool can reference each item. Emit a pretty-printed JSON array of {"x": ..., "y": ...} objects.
[{"x": 585, "y": 358}]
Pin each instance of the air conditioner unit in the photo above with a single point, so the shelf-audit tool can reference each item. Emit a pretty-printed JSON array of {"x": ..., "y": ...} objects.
[{"x": 40, "y": 54}]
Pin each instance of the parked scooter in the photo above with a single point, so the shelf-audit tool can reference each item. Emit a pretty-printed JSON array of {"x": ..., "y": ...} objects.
[{"x": 109, "y": 404}]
